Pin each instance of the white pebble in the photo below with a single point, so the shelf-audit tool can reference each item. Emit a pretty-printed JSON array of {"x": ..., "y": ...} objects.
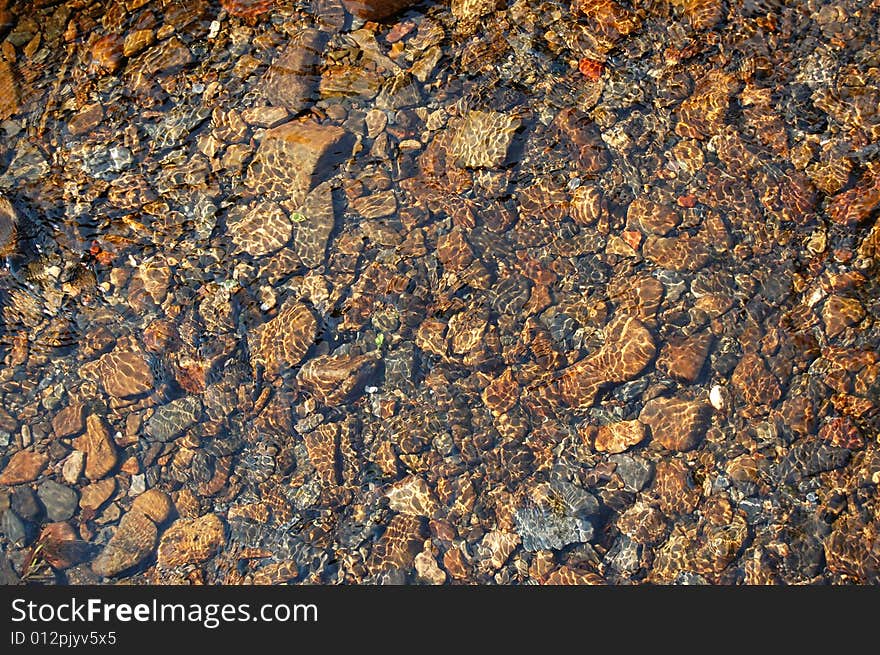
[
  {"x": 214, "y": 29},
  {"x": 716, "y": 398}
]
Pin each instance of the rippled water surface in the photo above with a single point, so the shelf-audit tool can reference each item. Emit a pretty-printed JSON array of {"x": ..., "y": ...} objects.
[{"x": 483, "y": 292}]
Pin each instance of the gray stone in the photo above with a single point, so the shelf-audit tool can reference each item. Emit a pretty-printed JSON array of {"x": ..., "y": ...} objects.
[
  {"x": 60, "y": 501},
  {"x": 12, "y": 527},
  {"x": 636, "y": 472},
  {"x": 24, "y": 503},
  {"x": 171, "y": 420}
]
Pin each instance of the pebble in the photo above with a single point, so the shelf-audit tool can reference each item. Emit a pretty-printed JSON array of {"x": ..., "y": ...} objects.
[
  {"x": 677, "y": 424},
  {"x": 13, "y": 528},
  {"x": 73, "y": 467},
  {"x": 97, "y": 493},
  {"x": 25, "y": 503}
]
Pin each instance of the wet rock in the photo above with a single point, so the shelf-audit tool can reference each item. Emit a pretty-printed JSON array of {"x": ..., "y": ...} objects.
[
  {"x": 133, "y": 541},
  {"x": 191, "y": 541},
  {"x": 8, "y": 220},
  {"x": 626, "y": 351},
  {"x": 399, "y": 544},
  {"x": 681, "y": 253},
  {"x": 502, "y": 393},
  {"x": 313, "y": 223},
  {"x": 73, "y": 467},
  {"x": 756, "y": 384},
  {"x": 86, "y": 119},
  {"x": 59, "y": 500},
  {"x": 636, "y": 472},
  {"x": 69, "y": 421},
  {"x": 349, "y": 81},
  {"x": 471, "y": 10},
  {"x": 24, "y": 503},
  {"x": 618, "y": 437},
  {"x": 332, "y": 379},
  {"x": 282, "y": 342},
  {"x": 292, "y": 79},
  {"x": 167, "y": 57},
  {"x": 262, "y": 230},
  {"x": 97, "y": 493},
  {"x": 651, "y": 217},
  {"x": 676, "y": 423},
  {"x": 123, "y": 372},
  {"x": 839, "y": 313},
  {"x": 376, "y": 205},
  {"x": 855, "y": 205},
  {"x": 247, "y": 9},
  {"x": 809, "y": 457},
  {"x": 483, "y": 139},
  {"x": 23, "y": 466},
  {"x": 498, "y": 545},
  {"x": 171, "y": 420},
  {"x": 427, "y": 568},
  {"x": 9, "y": 94},
  {"x": 265, "y": 116},
  {"x": 12, "y": 527},
  {"x": 99, "y": 448},
  {"x": 294, "y": 157},
  {"x": 566, "y": 575},
  {"x": 683, "y": 359},
  {"x": 376, "y": 9},
  {"x": 643, "y": 524},
  {"x": 412, "y": 495}
]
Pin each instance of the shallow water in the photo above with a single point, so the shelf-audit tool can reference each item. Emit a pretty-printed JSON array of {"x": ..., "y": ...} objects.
[{"x": 515, "y": 293}]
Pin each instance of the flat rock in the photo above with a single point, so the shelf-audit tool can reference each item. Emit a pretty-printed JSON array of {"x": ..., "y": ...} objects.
[
  {"x": 69, "y": 421},
  {"x": 292, "y": 79},
  {"x": 296, "y": 156},
  {"x": 620, "y": 436},
  {"x": 171, "y": 420},
  {"x": 191, "y": 541},
  {"x": 97, "y": 493},
  {"x": 483, "y": 139},
  {"x": 8, "y": 228},
  {"x": 676, "y": 424},
  {"x": 86, "y": 119},
  {"x": 313, "y": 224},
  {"x": 626, "y": 351},
  {"x": 839, "y": 313},
  {"x": 154, "y": 503},
  {"x": 756, "y": 384},
  {"x": 59, "y": 500},
  {"x": 9, "y": 95},
  {"x": 282, "y": 342},
  {"x": 263, "y": 229},
  {"x": 23, "y": 466},
  {"x": 99, "y": 448},
  {"x": 123, "y": 372},
  {"x": 683, "y": 359},
  {"x": 133, "y": 541},
  {"x": 412, "y": 495},
  {"x": 333, "y": 378},
  {"x": 376, "y": 205},
  {"x": 680, "y": 253}
]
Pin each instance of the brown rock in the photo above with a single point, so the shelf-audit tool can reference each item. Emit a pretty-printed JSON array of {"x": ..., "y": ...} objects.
[
  {"x": 137, "y": 40},
  {"x": 651, "y": 217},
  {"x": 23, "y": 466},
  {"x": 292, "y": 79},
  {"x": 282, "y": 342},
  {"x": 498, "y": 546},
  {"x": 313, "y": 224},
  {"x": 427, "y": 568},
  {"x": 839, "y": 313},
  {"x": 676, "y": 423},
  {"x": 155, "y": 504},
  {"x": 9, "y": 98},
  {"x": 756, "y": 384},
  {"x": 683, "y": 359},
  {"x": 376, "y": 205},
  {"x": 107, "y": 53},
  {"x": 69, "y": 421},
  {"x": 123, "y": 372},
  {"x": 681, "y": 253},
  {"x": 332, "y": 378},
  {"x": 132, "y": 542},
  {"x": 191, "y": 541},
  {"x": 566, "y": 575},
  {"x": 99, "y": 448},
  {"x": 412, "y": 495},
  {"x": 87, "y": 119},
  {"x": 264, "y": 229},
  {"x": 264, "y": 116},
  {"x": 294, "y": 157},
  {"x": 376, "y": 9},
  {"x": 483, "y": 139},
  {"x": 627, "y": 350},
  {"x": 8, "y": 229},
  {"x": 618, "y": 437},
  {"x": 97, "y": 493}
]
